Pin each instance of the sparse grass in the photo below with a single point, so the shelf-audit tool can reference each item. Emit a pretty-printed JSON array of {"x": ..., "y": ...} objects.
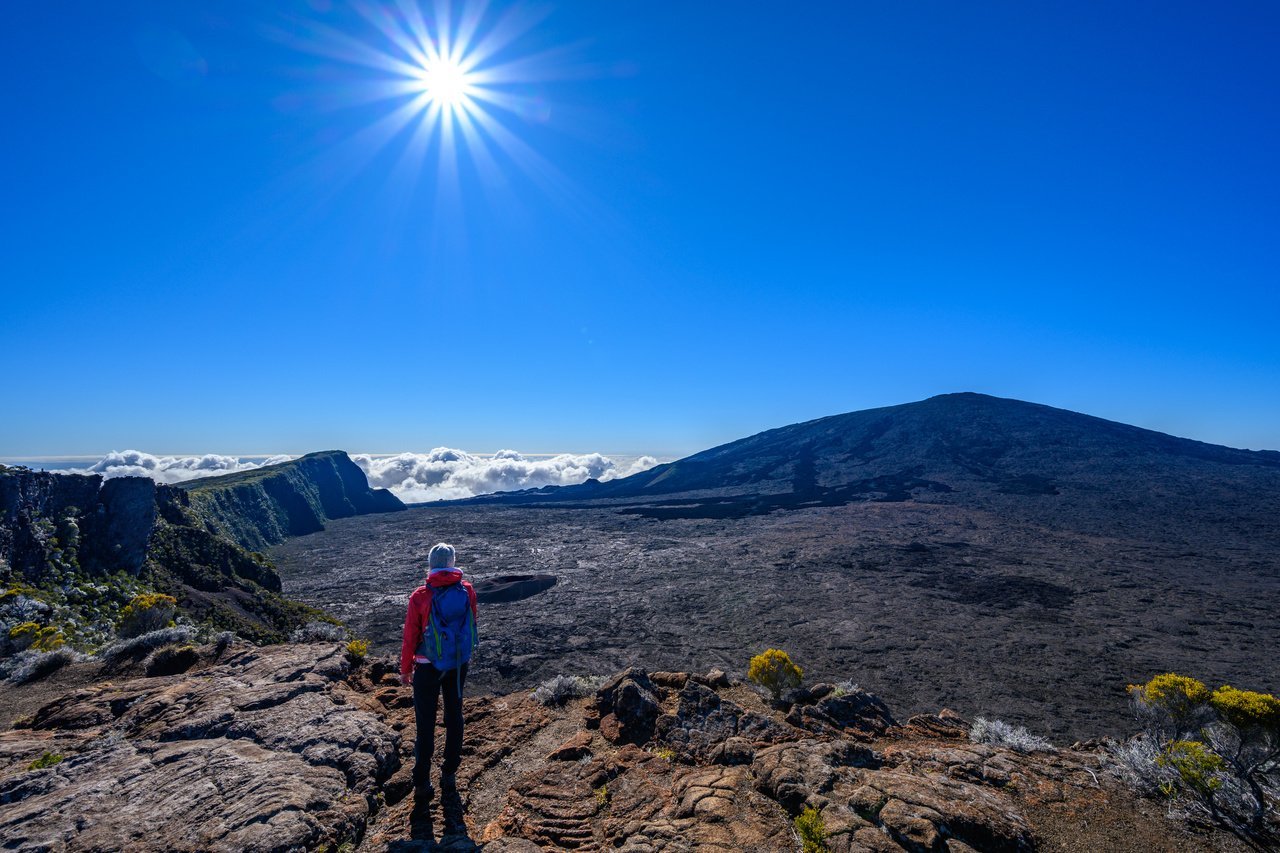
[
  {"x": 140, "y": 646},
  {"x": 318, "y": 631},
  {"x": 32, "y": 665},
  {"x": 999, "y": 733},
  {"x": 844, "y": 688},
  {"x": 562, "y": 688}
]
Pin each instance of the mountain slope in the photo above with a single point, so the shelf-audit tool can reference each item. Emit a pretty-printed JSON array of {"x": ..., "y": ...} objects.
[
  {"x": 265, "y": 506},
  {"x": 1041, "y": 463}
]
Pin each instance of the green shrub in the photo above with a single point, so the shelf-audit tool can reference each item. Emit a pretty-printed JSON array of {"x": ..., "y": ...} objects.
[
  {"x": 22, "y": 635},
  {"x": 774, "y": 671},
  {"x": 171, "y": 660},
  {"x": 1198, "y": 767},
  {"x": 29, "y": 635},
  {"x": 1221, "y": 748},
  {"x": 49, "y": 759},
  {"x": 147, "y": 612},
  {"x": 812, "y": 831}
]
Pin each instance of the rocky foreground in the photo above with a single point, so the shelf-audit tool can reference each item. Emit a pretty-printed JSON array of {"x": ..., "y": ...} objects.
[{"x": 296, "y": 747}]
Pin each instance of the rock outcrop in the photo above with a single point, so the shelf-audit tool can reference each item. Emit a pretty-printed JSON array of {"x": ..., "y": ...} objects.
[
  {"x": 65, "y": 531},
  {"x": 294, "y": 747},
  {"x": 264, "y": 506},
  {"x": 262, "y": 750}
]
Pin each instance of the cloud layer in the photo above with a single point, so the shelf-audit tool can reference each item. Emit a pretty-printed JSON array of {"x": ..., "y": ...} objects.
[
  {"x": 442, "y": 474},
  {"x": 173, "y": 469},
  {"x": 446, "y": 473}
]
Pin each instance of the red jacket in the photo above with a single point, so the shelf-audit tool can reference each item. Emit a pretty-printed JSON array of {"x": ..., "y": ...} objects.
[{"x": 415, "y": 619}]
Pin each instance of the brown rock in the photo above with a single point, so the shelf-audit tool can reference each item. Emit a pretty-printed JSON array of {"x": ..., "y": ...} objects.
[
  {"x": 576, "y": 747},
  {"x": 632, "y": 699},
  {"x": 254, "y": 753},
  {"x": 670, "y": 680}
]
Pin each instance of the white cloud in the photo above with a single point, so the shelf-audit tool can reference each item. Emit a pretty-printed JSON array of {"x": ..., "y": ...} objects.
[
  {"x": 442, "y": 474},
  {"x": 171, "y": 469},
  {"x": 446, "y": 473}
]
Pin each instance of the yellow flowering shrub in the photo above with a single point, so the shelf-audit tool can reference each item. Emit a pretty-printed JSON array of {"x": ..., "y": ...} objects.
[
  {"x": 147, "y": 612},
  {"x": 774, "y": 671},
  {"x": 1246, "y": 709}
]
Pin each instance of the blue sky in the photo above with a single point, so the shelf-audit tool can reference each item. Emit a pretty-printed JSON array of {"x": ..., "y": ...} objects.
[{"x": 734, "y": 216}]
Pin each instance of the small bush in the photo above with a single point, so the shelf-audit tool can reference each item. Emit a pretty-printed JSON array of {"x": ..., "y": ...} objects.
[
  {"x": 318, "y": 632},
  {"x": 29, "y": 635},
  {"x": 357, "y": 650},
  {"x": 32, "y": 665},
  {"x": 22, "y": 635},
  {"x": 1136, "y": 763},
  {"x": 602, "y": 796},
  {"x": 222, "y": 642},
  {"x": 562, "y": 688},
  {"x": 844, "y": 688},
  {"x": 774, "y": 671},
  {"x": 1171, "y": 706},
  {"x": 136, "y": 648},
  {"x": 148, "y": 612},
  {"x": 171, "y": 660},
  {"x": 49, "y": 759},
  {"x": 999, "y": 733},
  {"x": 812, "y": 831},
  {"x": 1198, "y": 768}
]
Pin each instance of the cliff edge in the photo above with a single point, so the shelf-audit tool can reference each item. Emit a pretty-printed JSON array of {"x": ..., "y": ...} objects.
[{"x": 265, "y": 506}]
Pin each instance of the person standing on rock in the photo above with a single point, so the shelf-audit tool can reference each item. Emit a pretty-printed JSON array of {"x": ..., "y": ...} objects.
[{"x": 439, "y": 637}]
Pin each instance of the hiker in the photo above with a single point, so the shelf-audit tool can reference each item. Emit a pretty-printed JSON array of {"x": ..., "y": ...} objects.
[{"x": 439, "y": 636}]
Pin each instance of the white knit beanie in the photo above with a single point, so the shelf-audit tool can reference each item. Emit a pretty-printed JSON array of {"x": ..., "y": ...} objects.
[{"x": 441, "y": 557}]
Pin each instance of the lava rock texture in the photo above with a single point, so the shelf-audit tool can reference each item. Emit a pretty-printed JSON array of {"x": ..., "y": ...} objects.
[{"x": 293, "y": 747}]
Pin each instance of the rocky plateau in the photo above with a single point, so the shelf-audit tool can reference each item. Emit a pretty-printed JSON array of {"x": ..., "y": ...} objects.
[{"x": 297, "y": 747}]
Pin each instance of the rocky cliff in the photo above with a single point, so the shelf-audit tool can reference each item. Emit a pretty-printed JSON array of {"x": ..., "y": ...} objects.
[
  {"x": 297, "y": 747},
  {"x": 79, "y": 547},
  {"x": 265, "y": 506}
]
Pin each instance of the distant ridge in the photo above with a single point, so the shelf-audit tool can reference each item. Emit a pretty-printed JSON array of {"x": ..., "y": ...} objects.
[
  {"x": 264, "y": 506},
  {"x": 962, "y": 448}
]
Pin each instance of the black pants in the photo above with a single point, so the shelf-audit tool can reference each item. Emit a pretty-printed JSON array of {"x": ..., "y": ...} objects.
[{"x": 428, "y": 685}]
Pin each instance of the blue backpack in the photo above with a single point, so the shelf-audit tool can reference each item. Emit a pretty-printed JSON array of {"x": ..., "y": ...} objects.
[{"x": 450, "y": 635}]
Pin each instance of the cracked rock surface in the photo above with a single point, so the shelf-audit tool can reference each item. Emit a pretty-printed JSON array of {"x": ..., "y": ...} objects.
[
  {"x": 259, "y": 751},
  {"x": 293, "y": 747}
]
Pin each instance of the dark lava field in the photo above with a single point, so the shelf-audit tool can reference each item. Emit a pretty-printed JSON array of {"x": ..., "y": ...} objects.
[
  {"x": 928, "y": 606},
  {"x": 996, "y": 557}
]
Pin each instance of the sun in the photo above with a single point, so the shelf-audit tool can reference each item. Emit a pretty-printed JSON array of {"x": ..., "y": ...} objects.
[
  {"x": 447, "y": 83},
  {"x": 452, "y": 74}
]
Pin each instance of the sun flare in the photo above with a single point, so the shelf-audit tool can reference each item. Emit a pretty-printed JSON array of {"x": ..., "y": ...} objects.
[
  {"x": 446, "y": 83},
  {"x": 453, "y": 77}
]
